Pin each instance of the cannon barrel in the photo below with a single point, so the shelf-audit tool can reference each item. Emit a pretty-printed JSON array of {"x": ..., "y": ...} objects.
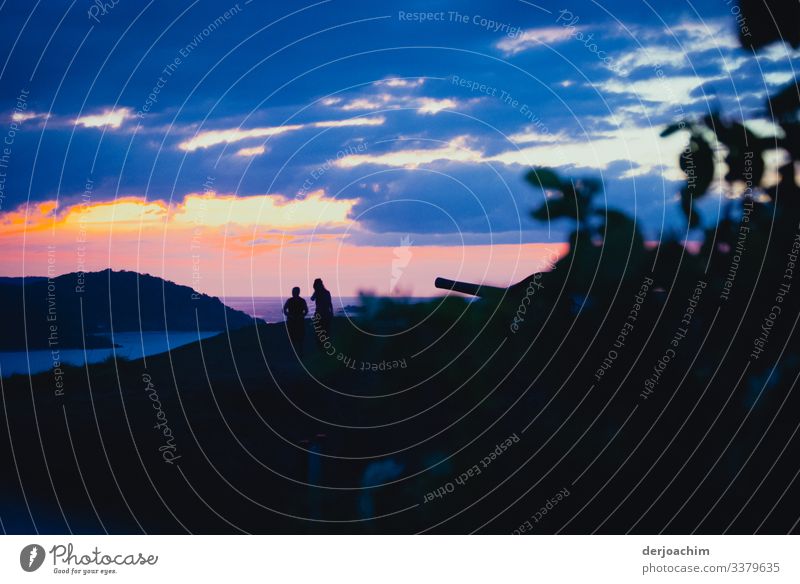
[{"x": 467, "y": 288}]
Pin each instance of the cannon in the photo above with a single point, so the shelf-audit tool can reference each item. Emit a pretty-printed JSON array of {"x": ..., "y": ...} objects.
[
  {"x": 479, "y": 290},
  {"x": 490, "y": 292}
]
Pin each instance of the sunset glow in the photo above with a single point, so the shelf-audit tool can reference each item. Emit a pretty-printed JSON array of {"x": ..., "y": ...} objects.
[{"x": 240, "y": 246}]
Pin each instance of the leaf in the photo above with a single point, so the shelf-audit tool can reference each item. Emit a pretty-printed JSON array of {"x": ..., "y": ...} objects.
[
  {"x": 697, "y": 163},
  {"x": 792, "y": 141},
  {"x": 786, "y": 190},
  {"x": 544, "y": 178},
  {"x": 621, "y": 231},
  {"x": 588, "y": 187},
  {"x": 714, "y": 122},
  {"x": 672, "y": 128},
  {"x": 786, "y": 102},
  {"x": 556, "y": 208},
  {"x": 623, "y": 246},
  {"x": 745, "y": 151},
  {"x": 761, "y": 22},
  {"x": 747, "y": 169}
]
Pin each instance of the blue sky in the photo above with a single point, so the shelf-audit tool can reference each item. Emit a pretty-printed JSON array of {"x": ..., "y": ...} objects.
[{"x": 427, "y": 126}]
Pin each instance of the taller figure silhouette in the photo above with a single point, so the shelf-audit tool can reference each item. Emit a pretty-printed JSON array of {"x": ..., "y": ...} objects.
[{"x": 324, "y": 311}]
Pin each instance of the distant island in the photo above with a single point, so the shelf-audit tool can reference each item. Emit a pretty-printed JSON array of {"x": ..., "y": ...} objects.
[{"x": 79, "y": 309}]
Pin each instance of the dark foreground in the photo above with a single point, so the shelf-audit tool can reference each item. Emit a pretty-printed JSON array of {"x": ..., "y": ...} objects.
[{"x": 485, "y": 417}]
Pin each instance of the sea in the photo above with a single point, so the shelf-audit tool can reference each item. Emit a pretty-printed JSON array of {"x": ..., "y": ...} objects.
[
  {"x": 270, "y": 308},
  {"x": 137, "y": 344},
  {"x": 131, "y": 345}
]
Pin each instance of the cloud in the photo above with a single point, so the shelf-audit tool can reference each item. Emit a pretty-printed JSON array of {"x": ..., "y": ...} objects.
[
  {"x": 537, "y": 37},
  {"x": 400, "y": 82},
  {"x": 778, "y": 77},
  {"x": 271, "y": 211},
  {"x": 211, "y": 138},
  {"x": 531, "y": 134},
  {"x": 778, "y": 53},
  {"x": 690, "y": 37},
  {"x": 376, "y": 101},
  {"x": 113, "y": 118},
  {"x": 674, "y": 90},
  {"x": 455, "y": 150},
  {"x": 642, "y": 148},
  {"x": 396, "y": 93},
  {"x": 706, "y": 35},
  {"x": 266, "y": 211},
  {"x": 733, "y": 63},
  {"x": 248, "y": 152},
  {"x": 430, "y": 105},
  {"x": 682, "y": 45},
  {"x": 352, "y": 122},
  {"x": 28, "y": 115},
  {"x": 423, "y": 105},
  {"x": 207, "y": 240},
  {"x": 363, "y": 103},
  {"x": 765, "y": 128},
  {"x": 653, "y": 57}
]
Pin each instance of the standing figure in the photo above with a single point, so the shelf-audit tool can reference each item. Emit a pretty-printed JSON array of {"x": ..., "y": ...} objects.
[
  {"x": 324, "y": 312},
  {"x": 295, "y": 309}
]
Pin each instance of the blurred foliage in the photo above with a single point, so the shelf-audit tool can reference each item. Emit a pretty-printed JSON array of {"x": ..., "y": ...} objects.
[{"x": 762, "y": 22}]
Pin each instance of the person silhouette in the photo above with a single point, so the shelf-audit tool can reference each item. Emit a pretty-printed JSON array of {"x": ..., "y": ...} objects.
[
  {"x": 295, "y": 309},
  {"x": 323, "y": 313}
]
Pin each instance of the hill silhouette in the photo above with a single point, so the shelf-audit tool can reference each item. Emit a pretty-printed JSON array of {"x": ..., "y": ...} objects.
[{"x": 82, "y": 307}]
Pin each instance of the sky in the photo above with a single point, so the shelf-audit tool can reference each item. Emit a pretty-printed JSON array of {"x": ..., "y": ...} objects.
[{"x": 244, "y": 148}]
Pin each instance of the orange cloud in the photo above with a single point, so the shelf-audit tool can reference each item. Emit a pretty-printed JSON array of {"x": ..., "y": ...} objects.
[
  {"x": 204, "y": 241},
  {"x": 207, "y": 209},
  {"x": 262, "y": 211},
  {"x": 236, "y": 246},
  {"x": 248, "y": 152},
  {"x": 131, "y": 226}
]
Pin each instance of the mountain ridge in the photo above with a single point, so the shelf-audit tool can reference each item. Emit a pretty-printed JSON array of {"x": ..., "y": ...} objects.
[{"x": 77, "y": 309}]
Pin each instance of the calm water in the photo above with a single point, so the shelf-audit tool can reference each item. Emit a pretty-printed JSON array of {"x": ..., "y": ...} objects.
[{"x": 133, "y": 345}]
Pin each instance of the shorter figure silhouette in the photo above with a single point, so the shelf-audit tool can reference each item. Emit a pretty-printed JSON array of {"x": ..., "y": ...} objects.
[
  {"x": 295, "y": 309},
  {"x": 323, "y": 314}
]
